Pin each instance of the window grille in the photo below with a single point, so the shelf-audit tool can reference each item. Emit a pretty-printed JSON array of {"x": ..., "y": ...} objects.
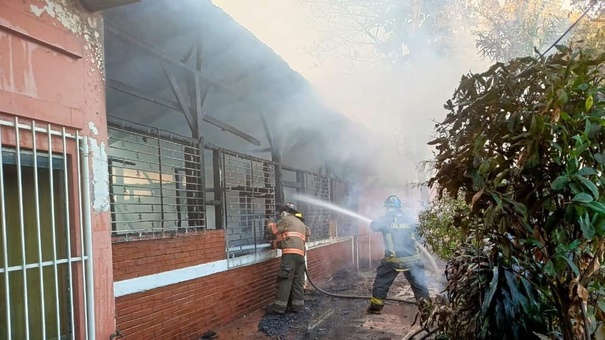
[
  {"x": 317, "y": 218},
  {"x": 45, "y": 240},
  {"x": 156, "y": 182},
  {"x": 249, "y": 201},
  {"x": 346, "y": 225}
]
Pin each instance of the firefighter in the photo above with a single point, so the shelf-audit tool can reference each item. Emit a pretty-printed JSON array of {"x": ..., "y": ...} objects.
[
  {"x": 401, "y": 255},
  {"x": 291, "y": 234}
]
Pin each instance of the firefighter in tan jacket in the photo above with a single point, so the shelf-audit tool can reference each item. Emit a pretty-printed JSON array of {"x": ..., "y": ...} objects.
[{"x": 290, "y": 235}]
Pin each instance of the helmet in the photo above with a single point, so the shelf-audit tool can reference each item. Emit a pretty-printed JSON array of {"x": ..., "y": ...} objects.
[
  {"x": 288, "y": 207},
  {"x": 393, "y": 202},
  {"x": 299, "y": 215}
]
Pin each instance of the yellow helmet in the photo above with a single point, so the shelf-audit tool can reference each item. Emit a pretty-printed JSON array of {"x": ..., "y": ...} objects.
[{"x": 299, "y": 215}]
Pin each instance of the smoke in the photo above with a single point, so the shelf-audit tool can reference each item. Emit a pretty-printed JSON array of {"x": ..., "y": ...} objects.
[
  {"x": 363, "y": 122},
  {"x": 398, "y": 104},
  {"x": 395, "y": 107},
  {"x": 368, "y": 123}
]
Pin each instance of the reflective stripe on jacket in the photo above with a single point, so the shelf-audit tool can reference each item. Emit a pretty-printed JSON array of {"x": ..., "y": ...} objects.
[
  {"x": 398, "y": 232},
  {"x": 290, "y": 234}
]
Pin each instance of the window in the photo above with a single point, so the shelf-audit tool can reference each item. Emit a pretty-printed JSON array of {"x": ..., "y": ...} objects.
[
  {"x": 43, "y": 271},
  {"x": 156, "y": 183},
  {"x": 249, "y": 201}
]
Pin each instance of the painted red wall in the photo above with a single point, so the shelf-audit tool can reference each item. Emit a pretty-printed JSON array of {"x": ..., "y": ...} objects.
[{"x": 51, "y": 70}]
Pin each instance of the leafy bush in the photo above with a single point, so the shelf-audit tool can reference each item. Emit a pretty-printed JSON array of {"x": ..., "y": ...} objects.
[
  {"x": 436, "y": 225},
  {"x": 487, "y": 297},
  {"x": 525, "y": 144}
]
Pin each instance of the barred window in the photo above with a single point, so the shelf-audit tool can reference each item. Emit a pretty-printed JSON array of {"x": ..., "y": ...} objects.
[
  {"x": 318, "y": 218},
  {"x": 156, "y": 182},
  {"x": 249, "y": 201}
]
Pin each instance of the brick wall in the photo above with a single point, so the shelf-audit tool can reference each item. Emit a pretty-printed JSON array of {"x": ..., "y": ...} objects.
[
  {"x": 325, "y": 261},
  {"x": 140, "y": 258},
  {"x": 187, "y": 310}
]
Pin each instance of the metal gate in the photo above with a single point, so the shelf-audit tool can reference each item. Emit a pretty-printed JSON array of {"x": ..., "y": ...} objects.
[{"x": 45, "y": 259}]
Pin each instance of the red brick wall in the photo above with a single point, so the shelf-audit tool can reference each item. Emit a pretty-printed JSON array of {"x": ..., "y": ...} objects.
[
  {"x": 140, "y": 258},
  {"x": 325, "y": 261},
  {"x": 188, "y": 309}
]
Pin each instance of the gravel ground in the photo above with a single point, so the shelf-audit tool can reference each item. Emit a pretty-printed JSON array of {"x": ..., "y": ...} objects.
[{"x": 280, "y": 326}]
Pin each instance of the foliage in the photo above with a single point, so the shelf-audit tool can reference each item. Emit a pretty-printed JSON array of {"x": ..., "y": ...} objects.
[
  {"x": 525, "y": 143},
  {"x": 516, "y": 28},
  {"x": 487, "y": 295},
  {"x": 391, "y": 30},
  {"x": 590, "y": 32},
  {"x": 436, "y": 223}
]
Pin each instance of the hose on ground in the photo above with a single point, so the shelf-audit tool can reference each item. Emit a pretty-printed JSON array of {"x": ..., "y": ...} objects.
[
  {"x": 429, "y": 333},
  {"x": 413, "y": 335},
  {"x": 353, "y": 296},
  {"x": 410, "y": 336}
]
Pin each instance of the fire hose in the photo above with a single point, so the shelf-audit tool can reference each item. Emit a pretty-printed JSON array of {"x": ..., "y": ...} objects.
[
  {"x": 410, "y": 302},
  {"x": 423, "y": 250},
  {"x": 353, "y": 296},
  {"x": 408, "y": 337}
]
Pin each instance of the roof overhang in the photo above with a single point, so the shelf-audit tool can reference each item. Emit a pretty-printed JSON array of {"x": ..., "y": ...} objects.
[{"x": 101, "y": 5}]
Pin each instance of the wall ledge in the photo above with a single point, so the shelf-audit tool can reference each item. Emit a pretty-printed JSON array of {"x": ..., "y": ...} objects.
[{"x": 163, "y": 279}]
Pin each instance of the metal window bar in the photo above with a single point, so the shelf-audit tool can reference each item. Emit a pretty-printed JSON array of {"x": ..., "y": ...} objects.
[
  {"x": 7, "y": 297},
  {"x": 156, "y": 182},
  {"x": 318, "y": 218},
  {"x": 85, "y": 267},
  {"x": 40, "y": 249},
  {"x": 21, "y": 226},
  {"x": 39, "y": 237},
  {"x": 249, "y": 197},
  {"x": 345, "y": 224}
]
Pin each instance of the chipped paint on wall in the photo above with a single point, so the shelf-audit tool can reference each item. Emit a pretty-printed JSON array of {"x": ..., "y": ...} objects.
[
  {"x": 25, "y": 82},
  {"x": 93, "y": 128},
  {"x": 100, "y": 176},
  {"x": 78, "y": 22}
]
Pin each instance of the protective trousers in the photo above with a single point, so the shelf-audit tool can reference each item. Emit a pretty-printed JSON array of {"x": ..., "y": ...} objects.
[
  {"x": 386, "y": 274},
  {"x": 291, "y": 280}
]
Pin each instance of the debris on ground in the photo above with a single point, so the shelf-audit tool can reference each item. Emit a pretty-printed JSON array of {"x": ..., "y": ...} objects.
[
  {"x": 328, "y": 317},
  {"x": 281, "y": 325},
  {"x": 209, "y": 335}
]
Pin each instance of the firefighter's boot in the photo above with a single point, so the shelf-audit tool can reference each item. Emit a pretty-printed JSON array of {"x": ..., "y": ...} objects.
[{"x": 375, "y": 309}]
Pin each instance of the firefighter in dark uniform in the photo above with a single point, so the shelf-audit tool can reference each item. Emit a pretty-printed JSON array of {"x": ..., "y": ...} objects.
[
  {"x": 290, "y": 235},
  {"x": 401, "y": 255}
]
